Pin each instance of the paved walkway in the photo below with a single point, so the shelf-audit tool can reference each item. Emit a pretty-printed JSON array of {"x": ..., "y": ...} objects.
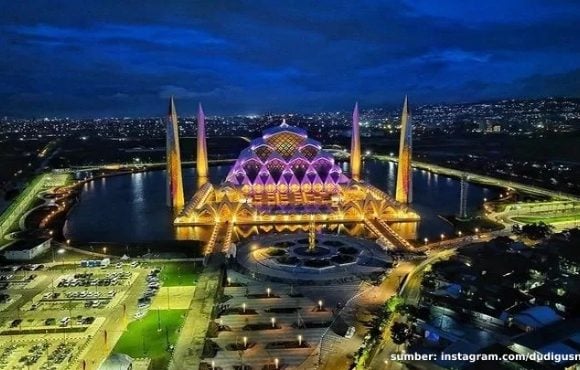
[{"x": 189, "y": 346}]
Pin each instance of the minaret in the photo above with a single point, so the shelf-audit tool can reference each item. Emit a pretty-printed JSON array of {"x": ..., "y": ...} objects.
[
  {"x": 404, "y": 192},
  {"x": 355, "y": 161},
  {"x": 202, "y": 167},
  {"x": 175, "y": 197}
]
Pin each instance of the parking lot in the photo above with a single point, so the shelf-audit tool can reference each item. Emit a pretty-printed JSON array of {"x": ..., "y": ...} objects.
[
  {"x": 55, "y": 316},
  {"x": 44, "y": 355}
]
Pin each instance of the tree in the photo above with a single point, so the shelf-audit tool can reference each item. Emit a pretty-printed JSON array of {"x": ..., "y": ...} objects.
[
  {"x": 400, "y": 333},
  {"x": 392, "y": 303},
  {"x": 407, "y": 309},
  {"x": 536, "y": 231}
]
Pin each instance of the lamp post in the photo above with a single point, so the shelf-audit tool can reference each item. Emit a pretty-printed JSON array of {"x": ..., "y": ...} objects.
[
  {"x": 426, "y": 240},
  {"x": 276, "y": 363},
  {"x": 245, "y": 342},
  {"x": 273, "y": 320},
  {"x": 320, "y": 305},
  {"x": 61, "y": 253},
  {"x": 212, "y": 365},
  {"x": 268, "y": 291},
  {"x": 229, "y": 281},
  {"x": 244, "y": 307},
  {"x": 299, "y": 340}
]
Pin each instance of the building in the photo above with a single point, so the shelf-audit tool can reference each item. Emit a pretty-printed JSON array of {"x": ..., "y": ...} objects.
[
  {"x": 117, "y": 361},
  {"x": 560, "y": 338},
  {"x": 26, "y": 250},
  {"x": 284, "y": 177}
]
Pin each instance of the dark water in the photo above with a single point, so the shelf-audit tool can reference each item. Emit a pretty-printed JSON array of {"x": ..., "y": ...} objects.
[{"x": 132, "y": 207}]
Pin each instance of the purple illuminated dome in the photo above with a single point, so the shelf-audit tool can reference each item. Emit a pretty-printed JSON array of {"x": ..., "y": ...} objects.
[{"x": 285, "y": 159}]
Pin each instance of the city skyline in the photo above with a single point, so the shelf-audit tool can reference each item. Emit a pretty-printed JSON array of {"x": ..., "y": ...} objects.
[{"x": 117, "y": 60}]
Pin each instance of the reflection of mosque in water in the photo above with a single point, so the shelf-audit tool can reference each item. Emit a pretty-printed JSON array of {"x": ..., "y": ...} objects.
[{"x": 283, "y": 182}]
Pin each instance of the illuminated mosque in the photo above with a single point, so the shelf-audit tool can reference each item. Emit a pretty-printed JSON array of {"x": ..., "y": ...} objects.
[{"x": 286, "y": 178}]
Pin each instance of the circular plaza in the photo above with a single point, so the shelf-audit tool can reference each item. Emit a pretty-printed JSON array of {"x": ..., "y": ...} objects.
[{"x": 298, "y": 257}]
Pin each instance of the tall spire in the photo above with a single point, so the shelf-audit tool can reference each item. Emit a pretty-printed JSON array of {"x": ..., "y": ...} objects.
[
  {"x": 355, "y": 156},
  {"x": 175, "y": 196},
  {"x": 202, "y": 166},
  {"x": 404, "y": 192}
]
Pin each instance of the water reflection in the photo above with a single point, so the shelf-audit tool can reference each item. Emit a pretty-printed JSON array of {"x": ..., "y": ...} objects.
[{"x": 133, "y": 207}]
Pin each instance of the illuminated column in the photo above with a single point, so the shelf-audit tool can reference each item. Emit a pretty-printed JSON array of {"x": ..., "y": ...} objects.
[
  {"x": 404, "y": 192},
  {"x": 202, "y": 167},
  {"x": 355, "y": 161},
  {"x": 175, "y": 197},
  {"x": 311, "y": 237},
  {"x": 463, "y": 198}
]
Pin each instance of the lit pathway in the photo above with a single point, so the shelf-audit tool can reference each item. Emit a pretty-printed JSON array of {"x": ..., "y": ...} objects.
[{"x": 189, "y": 346}]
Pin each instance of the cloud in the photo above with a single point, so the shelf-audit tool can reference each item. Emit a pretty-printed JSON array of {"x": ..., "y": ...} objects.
[{"x": 83, "y": 58}]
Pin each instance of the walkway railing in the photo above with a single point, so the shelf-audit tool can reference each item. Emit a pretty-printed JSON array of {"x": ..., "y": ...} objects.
[
  {"x": 227, "y": 240},
  {"x": 209, "y": 248},
  {"x": 394, "y": 235}
]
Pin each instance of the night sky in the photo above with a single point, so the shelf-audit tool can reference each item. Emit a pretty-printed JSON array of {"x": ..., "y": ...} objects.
[{"x": 125, "y": 57}]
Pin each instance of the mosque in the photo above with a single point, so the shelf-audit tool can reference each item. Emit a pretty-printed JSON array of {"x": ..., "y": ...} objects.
[{"x": 286, "y": 178}]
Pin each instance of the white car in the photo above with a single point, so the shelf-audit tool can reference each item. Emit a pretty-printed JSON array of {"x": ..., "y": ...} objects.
[
  {"x": 139, "y": 314},
  {"x": 350, "y": 332},
  {"x": 64, "y": 321}
]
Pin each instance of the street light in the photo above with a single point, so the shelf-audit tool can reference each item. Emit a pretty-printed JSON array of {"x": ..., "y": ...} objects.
[
  {"x": 212, "y": 365},
  {"x": 459, "y": 233},
  {"x": 476, "y": 230},
  {"x": 426, "y": 241},
  {"x": 299, "y": 340},
  {"x": 268, "y": 290},
  {"x": 244, "y": 307},
  {"x": 442, "y": 236},
  {"x": 245, "y": 342},
  {"x": 273, "y": 319},
  {"x": 320, "y": 305},
  {"x": 229, "y": 280},
  {"x": 276, "y": 363},
  {"x": 61, "y": 253}
]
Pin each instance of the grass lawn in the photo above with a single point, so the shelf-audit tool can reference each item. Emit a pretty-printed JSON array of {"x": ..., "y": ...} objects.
[
  {"x": 179, "y": 273},
  {"x": 142, "y": 338},
  {"x": 548, "y": 218}
]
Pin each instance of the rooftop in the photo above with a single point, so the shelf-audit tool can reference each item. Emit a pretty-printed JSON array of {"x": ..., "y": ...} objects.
[{"x": 22, "y": 245}]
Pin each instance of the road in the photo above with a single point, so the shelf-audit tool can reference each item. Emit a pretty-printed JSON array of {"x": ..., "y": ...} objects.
[
  {"x": 485, "y": 180},
  {"x": 411, "y": 289}
]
